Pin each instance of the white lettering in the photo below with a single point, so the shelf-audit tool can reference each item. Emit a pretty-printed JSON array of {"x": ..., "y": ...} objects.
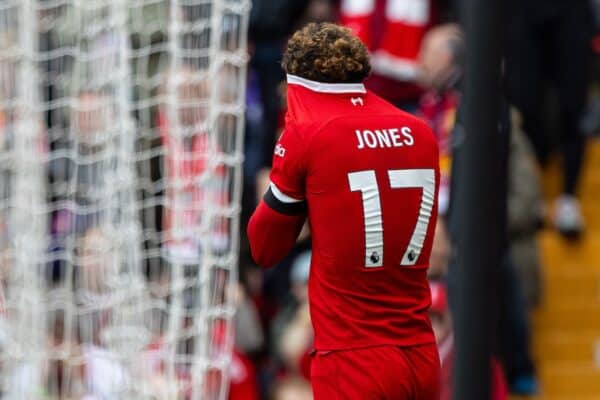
[
  {"x": 408, "y": 138},
  {"x": 370, "y": 139},
  {"x": 396, "y": 139},
  {"x": 383, "y": 138},
  {"x": 361, "y": 144}
]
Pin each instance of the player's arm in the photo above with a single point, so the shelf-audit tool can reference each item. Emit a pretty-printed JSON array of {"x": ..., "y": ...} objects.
[
  {"x": 278, "y": 219},
  {"x": 275, "y": 226}
]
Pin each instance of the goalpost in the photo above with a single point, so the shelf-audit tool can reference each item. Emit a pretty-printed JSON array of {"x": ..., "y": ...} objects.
[{"x": 121, "y": 134}]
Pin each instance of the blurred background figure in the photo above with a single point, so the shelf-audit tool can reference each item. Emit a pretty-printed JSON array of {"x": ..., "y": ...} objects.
[
  {"x": 88, "y": 371},
  {"x": 184, "y": 138},
  {"x": 270, "y": 24},
  {"x": 95, "y": 273},
  {"x": 380, "y": 24},
  {"x": 441, "y": 61},
  {"x": 440, "y": 72},
  {"x": 292, "y": 331},
  {"x": 441, "y": 320},
  {"x": 549, "y": 44},
  {"x": 187, "y": 147},
  {"x": 291, "y": 389},
  {"x": 524, "y": 198},
  {"x": 84, "y": 181}
]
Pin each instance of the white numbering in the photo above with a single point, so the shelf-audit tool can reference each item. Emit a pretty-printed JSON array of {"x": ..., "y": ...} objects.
[{"x": 366, "y": 183}]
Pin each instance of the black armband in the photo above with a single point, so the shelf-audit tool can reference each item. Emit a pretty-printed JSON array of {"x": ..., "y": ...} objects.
[{"x": 282, "y": 207}]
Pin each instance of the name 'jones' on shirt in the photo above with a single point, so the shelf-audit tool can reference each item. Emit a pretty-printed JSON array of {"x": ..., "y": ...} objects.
[{"x": 384, "y": 138}]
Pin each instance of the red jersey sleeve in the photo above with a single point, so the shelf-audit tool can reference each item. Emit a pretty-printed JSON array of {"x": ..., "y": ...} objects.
[
  {"x": 289, "y": 163},
  {"x": 278, "y": 219},
  {"x": 272, "y": 234}
]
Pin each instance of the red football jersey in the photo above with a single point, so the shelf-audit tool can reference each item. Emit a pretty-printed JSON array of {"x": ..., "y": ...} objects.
[{"x": 369, "y": 173}]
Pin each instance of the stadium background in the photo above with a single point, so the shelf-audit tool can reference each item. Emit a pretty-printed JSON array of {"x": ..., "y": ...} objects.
[
  {"x": 552, "y": 353},
  {"x": 548, "y": 333}
]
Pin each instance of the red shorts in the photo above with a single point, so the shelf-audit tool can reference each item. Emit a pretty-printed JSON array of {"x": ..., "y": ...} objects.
[{"x": 382, "y": 373}]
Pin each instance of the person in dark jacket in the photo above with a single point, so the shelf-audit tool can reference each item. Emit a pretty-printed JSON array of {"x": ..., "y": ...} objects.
[{"x": 549, "y": 41}]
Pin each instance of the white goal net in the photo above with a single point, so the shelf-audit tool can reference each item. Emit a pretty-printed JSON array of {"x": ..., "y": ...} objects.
[{"x": 121, "y": 126}]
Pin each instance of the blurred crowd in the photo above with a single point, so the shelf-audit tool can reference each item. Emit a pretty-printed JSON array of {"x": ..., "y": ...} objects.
[
  {"x": 113, "y": 195},
  {"x": 418, "y": 53}
]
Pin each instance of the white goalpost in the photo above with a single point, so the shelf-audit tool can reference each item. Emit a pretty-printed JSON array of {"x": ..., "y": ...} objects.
[{"x": 121, "y": 142}]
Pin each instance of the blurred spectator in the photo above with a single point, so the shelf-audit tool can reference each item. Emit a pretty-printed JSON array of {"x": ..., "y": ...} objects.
[
  {"x": 441, "y": 320},
  {"x": 440, "y": 72},
  {"x": 296, "y": 342},
  {"x": 524, "y": 199},
  {"x": 319, "y": 11},
  {"x": 185, "y": 142},
  {"x": 84, "y": 370},
  {"x": 97, "y": 256},
  {"x": 442, "y": 58},
  {"x": 440, "y": 61},
  {"x": 94, "y": 274},
  {"x": 441, "y": 251},
  {"x": 83, "y": 180},
  {"x": 392, "y": 30},
  {"x": 193, "y": 182},
  {"x": 270, "y": 24},
  {"x": 80, "y": 185},
  {"x": 291, "y": 329},
  {"x": 292, "y": 388},
  {"x": 248, "y": 330},
  {"x": 243, "y": 382},
  {"x": 549, "y": 41}
]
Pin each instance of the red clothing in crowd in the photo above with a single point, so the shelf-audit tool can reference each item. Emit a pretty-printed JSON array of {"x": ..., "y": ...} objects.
[
  {"x": 195, "y": 182},
  {"x": 499, "y": 390},
  {"x": 243, "y": 383},
  {"x": 380, "y": 24}
]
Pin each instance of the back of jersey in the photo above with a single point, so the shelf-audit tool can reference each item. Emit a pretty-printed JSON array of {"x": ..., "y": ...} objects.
[{"x": 369, "y": 173}]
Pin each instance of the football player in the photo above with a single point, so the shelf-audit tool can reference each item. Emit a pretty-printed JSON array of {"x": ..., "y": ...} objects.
[{"x": 366, "y": 176}]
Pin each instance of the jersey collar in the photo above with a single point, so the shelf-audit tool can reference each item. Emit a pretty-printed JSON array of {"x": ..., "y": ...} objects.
[{"x": 323, "y": 87}]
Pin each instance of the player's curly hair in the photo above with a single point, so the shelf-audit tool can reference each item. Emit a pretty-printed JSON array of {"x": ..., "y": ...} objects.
[{"x": 326, "y": 52}]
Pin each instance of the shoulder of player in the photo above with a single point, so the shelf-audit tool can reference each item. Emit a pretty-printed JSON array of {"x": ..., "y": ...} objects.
[
  {"x": 424, "y": 133},
  {"x": 417, "y": 125},
  {"x": 305, "y": 128},
  {"x": 302, "y": 129},
  {"x": 416, "y": 122}
]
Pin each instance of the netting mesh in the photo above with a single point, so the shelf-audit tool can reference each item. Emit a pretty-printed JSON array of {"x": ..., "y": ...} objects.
[{"x": 121, "y": 128}]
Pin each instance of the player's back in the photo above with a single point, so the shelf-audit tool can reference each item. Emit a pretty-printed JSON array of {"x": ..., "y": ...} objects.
[{"x": 370, "y": 175}]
